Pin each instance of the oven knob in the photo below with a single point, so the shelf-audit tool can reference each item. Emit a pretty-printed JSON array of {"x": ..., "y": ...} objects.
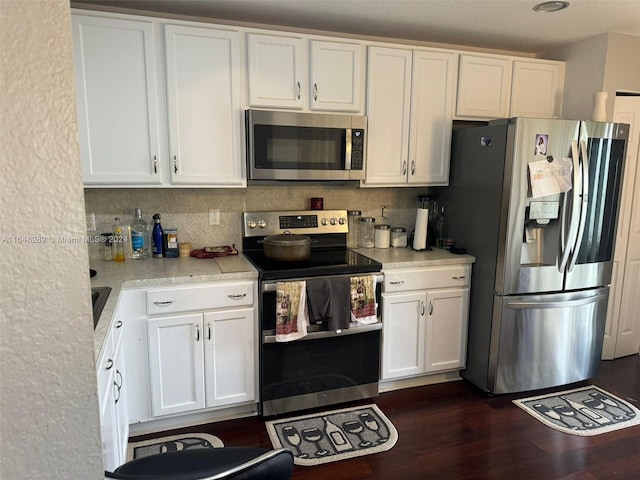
[
  {"x": 262, "y": 223},
  {"x": 251, "y": 224},
  {"x": 342, "y": 221},
  {"x": 323, "y": 221},
  {"x": 333, "y": 221}
]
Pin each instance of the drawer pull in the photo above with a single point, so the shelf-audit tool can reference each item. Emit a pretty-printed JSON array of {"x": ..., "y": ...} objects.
[
  {"x": 197, "y": 333},
  {"x": 164, "y": 304},
  {"x": 461, "y": 277},
  {"x": 430, "y": 308},
  {"x": 422, "y": 309},
  {"x": 119, "y": 324},
  {"x": 109, "y": 364},
  {"x": 401, "y": 282},
  {"x": 238, "y": 297}
]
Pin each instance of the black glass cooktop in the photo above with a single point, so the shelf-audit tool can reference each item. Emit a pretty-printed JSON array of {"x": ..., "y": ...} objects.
[{"x": 321, "y": 262}]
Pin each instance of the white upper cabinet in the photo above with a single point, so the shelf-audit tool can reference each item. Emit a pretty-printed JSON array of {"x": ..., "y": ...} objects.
[
  {"x": 115, "y": 68},
  {"x": 277, "y": 71},
  {"x": 204, "y": 101},
  {"x": 336, "y": 76},
  {"x": 492, "y": 87},
  {"x": 297, "y": 73},
  {"x": 537, "y": 88},
  {"x": 484, "y": 86},
  {"x": 410, "y": 109}
]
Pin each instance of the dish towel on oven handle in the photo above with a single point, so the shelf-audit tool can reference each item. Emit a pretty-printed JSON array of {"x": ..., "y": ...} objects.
[
  {"x": 291, "y": 311},
  {"x": 363, "y": 300},
  {"x": 329, "y": 300}
]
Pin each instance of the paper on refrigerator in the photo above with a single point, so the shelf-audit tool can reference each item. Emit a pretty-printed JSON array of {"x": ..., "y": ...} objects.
[{"x": 549, "y": 178}]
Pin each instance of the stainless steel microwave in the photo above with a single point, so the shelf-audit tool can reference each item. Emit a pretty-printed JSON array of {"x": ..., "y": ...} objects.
[{"x": 305, "y": 146}]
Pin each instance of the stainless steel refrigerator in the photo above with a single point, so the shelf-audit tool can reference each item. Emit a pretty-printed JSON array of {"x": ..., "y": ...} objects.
[{"x": 536, "y": 201}]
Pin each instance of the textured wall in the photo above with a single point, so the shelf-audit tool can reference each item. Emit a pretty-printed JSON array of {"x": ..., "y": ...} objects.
[
  {"x": 188, "y": 209},
  {"x": 49, "y": 425}
]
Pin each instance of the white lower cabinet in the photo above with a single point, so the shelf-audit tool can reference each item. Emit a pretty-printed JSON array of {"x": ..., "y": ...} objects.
[
  {"x": 201, "y": 359},
  {"x": 114, "y": 420},
  {"x": 425, "y": 313}
]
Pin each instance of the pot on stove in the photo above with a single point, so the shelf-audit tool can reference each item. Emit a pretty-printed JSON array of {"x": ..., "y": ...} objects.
[{"x": 287, "y": 247}]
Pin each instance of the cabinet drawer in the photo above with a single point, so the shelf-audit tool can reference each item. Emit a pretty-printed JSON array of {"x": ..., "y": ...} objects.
[
  {"x": 426, "y": 278},
  {"x": 201, "y": 297}
]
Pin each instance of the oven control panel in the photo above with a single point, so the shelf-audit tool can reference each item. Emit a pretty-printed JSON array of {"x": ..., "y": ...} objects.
[{"x": 259, "y": 224}]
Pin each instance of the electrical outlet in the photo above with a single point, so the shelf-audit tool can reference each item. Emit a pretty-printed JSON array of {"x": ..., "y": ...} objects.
[
  {"x": 214, "y": 216},
  {"x": 91, "y": 222}
]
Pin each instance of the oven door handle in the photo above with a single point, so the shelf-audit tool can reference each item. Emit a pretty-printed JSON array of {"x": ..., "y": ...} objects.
[
  {"x": 272, "y": 287},
  {"x": 332, "y": 333}
]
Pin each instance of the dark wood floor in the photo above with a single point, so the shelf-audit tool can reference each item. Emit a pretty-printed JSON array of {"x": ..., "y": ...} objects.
[{"x": 454, "y": 431}]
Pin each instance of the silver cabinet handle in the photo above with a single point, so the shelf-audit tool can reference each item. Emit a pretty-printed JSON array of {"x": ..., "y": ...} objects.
[
  {"x": 118, "y": 386},
  {"x": 209, "y": 330},
  {"x": 299, "y": 91},
  {"x": 197, "y": 332},
  {"x": 165, "y": 303},
  {"x": 109, "y": 364},
  {"x": 155, "y": 164},
  {"x": 413, "y": 167},
  {"x": 315, "y": 92},
  {"x": 401, "y": 282},
  {"x": 431, "y": 307},
  {"x": 404, "y": 167},
  {"x": 422, "y": 309},
  {"x": 118, "y": 324},
  {"x": 460, "y": 277},
  {"x": 238, "y": 296},
  {"x": 175, "y": 164}
]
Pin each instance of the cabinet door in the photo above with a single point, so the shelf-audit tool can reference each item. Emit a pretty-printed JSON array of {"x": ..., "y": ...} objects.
[
  {"x": 120, "y": 407},
  {"x": 432, "y": 95},
  {"x": 336, "y": 76},
  {"x": 388, "y": 110},
  {"x": 537, "y": 89},
  {"x": 204, "y": 88},
  {"x": 484, "y": 86},
  {"x": 230, "y": 356},
  {"x": 277, "y": 71},
  {"x": 403, "y": 334},
  {"x": 116, "y": 91},
  {"x": 446, "y": 331},
  {"x": 176, "y": 363}
]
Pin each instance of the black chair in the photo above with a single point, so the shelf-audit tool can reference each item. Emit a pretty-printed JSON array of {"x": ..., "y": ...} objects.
[{"x": 237, "y": 463}]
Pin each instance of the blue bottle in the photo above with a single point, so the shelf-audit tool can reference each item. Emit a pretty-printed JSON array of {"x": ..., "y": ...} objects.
[{"x": 158, "y": 237}]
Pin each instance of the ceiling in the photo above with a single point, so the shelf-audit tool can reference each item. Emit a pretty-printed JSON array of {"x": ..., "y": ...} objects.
[{"x": 491, "y": 24}]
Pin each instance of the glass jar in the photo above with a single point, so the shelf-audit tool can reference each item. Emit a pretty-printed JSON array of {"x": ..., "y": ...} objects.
[
  {"x": 398, "y": 237},
  {"x": 366, "y": 232},
  {"x": 105, "y": 247},
  {"x": 382, "y": 236},
  {"x": 354, "y": 224}
]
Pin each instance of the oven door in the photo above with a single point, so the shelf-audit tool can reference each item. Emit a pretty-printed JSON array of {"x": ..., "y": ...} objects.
[{"x": 323, "y": 368}]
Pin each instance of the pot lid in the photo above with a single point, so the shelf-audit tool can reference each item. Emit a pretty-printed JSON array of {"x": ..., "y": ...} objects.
[{"x": 287, "y": 239}]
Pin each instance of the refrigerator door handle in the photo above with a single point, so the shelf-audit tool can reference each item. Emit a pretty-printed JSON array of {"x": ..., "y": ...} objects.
[
  {"x": 570, "y": 238},
  {"x": 515, "y": 305},
  {"x": 583, "y": 203}
]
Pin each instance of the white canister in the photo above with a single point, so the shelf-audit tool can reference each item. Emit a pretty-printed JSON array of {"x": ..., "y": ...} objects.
[
  {"x": 398, "y": 237},
  {"x": 382, "y": 237}
]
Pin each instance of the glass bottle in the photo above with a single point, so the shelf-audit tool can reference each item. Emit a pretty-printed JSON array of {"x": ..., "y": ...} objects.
[
  {"x": 117, "y": 245},
  {"x": 140, "y": 237},
  {"x": 441, "y": 230},
  {"x": 106, "y": 240}
]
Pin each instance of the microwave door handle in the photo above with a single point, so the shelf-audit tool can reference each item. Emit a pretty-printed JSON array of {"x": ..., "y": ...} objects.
[
  {"x": 569, "y": 240},
  {"x": 584, "y": 200},
  {"x": 347, "y": 150}
]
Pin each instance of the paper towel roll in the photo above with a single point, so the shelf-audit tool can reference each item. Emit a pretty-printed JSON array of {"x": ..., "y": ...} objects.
[{"x": 420, "y": 235}]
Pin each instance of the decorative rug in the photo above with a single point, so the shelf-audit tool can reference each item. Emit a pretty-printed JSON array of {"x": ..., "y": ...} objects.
[
  {"x": 583, "y": 411},
  {"x": 335, "y": 435},
  {"x": 171, "y": 444}
]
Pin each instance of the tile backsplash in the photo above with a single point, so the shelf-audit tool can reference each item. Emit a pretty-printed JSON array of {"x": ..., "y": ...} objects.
[{"x": 188, "y": 209}]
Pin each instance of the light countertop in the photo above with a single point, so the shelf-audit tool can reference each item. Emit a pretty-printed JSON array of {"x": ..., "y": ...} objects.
[{"x": 408, "y": 258}]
